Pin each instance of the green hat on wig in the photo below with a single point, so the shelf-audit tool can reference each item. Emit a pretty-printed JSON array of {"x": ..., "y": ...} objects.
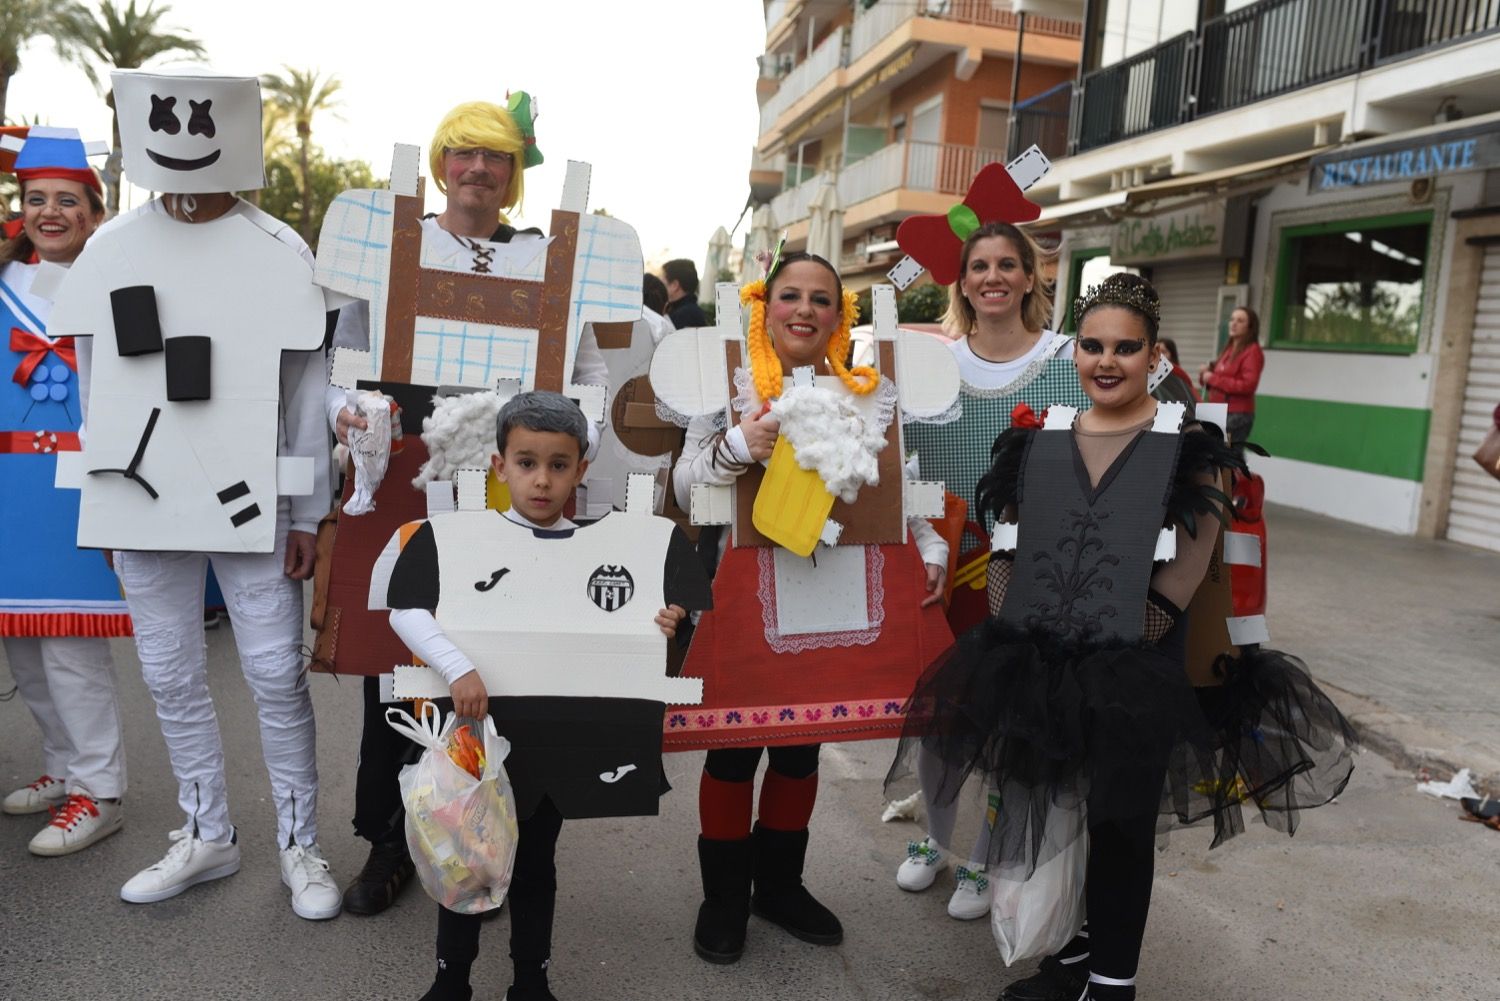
[{"x": 522, "y": 109}]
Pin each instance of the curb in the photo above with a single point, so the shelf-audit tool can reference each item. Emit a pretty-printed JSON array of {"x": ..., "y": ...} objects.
[{"x": 1412, "y": 745}]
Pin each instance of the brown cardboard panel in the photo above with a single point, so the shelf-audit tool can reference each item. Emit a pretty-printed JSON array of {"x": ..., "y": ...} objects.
[
  {"x": 557, "y": 291},
  {"x": 613, "y": 336},
  {"x": 636, "y": 423},
  {"x": 401, "y": 299},
  {"x": 451, "y": 295}
]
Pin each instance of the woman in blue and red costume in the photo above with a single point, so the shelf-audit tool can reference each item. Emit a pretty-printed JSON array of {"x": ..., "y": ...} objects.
[
  {"x": 773, "y": 684},
  {"x": 1072, "y": 704},
  {"x": 58, "y": 604}
]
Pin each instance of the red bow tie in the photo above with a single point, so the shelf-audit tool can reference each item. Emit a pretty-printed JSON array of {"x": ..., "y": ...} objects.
[{"x": 35, "y": 349}]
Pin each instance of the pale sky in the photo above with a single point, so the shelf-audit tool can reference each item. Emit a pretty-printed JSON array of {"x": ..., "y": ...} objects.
[{"x": 658, "y": 95}]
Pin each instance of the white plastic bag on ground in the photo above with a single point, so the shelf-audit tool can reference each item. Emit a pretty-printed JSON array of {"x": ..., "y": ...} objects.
[
  {"x": 370, "y": 449},
  {"x": 461, "y": 830},
  {"x": 1038, "y": 916}
]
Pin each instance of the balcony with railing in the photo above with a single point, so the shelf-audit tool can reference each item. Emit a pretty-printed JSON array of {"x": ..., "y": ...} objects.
[
  {"x": 885, "y": 17},
  {"x": 824, "y": 61},
  {"x": 1042, "y": 121},
  {"x": 943, "y": 168},
  {"x": 1262, "y": 51}
]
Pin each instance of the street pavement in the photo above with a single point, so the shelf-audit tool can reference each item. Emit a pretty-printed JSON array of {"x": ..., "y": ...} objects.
[{"x": 1383, "y": 895}]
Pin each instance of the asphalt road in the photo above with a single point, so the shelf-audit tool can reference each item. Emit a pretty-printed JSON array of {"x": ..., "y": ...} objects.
[{"x": 1384, "y": 895}]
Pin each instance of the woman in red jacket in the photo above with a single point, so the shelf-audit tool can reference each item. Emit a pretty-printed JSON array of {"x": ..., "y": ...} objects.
[{"x": 1232, "y": 379}]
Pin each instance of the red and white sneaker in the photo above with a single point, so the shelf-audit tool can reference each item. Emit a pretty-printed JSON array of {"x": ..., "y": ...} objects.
[
  {"x": 78, "y": 823},
  {"x": 43, "y": 794}
]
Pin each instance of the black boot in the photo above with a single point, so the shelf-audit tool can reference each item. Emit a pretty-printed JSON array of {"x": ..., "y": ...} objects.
[
  {"x": 386, "y": 871},
  {"x": 719, "y": 936},
  {"x": 1055, "y": 981},
  {"x": 779, "y": 895}
]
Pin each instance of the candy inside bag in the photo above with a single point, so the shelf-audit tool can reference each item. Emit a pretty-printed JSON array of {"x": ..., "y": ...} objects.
[{"x": 370, "y": 448}]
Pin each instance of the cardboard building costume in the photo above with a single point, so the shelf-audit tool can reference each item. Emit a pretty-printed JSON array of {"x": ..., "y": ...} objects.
[
  {"x": 50, "y": 587},
  {"x": 801, "y": 649},
  {"x": 189, "y": 323},
  {"x": 450, "y": 314},
  {"x": 561, "y": 626}
]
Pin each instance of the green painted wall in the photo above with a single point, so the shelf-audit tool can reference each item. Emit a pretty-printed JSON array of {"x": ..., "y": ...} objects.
[{"x": 1388, "y": 441}]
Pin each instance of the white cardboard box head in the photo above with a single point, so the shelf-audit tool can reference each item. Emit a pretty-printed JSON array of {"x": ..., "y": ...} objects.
[{"x": 190, "y": 133}]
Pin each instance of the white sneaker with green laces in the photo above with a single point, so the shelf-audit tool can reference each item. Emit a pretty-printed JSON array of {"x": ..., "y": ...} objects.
[
  {"x": 304, "y": 870},
  {"x": 924, "y": 860},
  {"x": 35, "y": 797},
  {"x": 189, "y": 861},
  {"x": 971, "y": 897}
]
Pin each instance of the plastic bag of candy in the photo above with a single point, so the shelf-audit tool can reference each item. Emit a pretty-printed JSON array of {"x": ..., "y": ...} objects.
[
  {"x": 370, "y": 449},
  {"x": 460, "y": 811}
]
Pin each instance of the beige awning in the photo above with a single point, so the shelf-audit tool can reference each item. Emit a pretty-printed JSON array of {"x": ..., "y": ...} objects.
[{"x": 1113, "y": 204}]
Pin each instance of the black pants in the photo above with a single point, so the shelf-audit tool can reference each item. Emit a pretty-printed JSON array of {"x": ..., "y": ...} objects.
[
  {"x": 378, "y": 812},
  {"x": 532, "y": 900}
]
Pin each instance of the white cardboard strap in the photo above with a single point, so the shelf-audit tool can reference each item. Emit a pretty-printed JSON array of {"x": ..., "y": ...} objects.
[
  {"x": 1241, "y": 549},
  {"x": 1247, "y": 629},
  {"x": 710, "y": 505},
  {"x": 1003, "y": 537}
]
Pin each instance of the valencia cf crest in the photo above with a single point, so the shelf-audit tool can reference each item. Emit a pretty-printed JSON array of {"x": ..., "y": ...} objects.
[{"x": 610, "y": 587}]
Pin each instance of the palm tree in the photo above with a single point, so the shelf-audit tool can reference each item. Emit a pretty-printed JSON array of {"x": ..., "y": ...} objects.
[
  {"x": 127, "y": 39},
  {"x": 21, "y": 21},
  {"x": 300, "y": 95}
]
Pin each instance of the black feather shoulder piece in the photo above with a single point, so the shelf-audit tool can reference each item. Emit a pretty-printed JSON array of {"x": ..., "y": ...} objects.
[
  {"x": 1000, "y": 488},
  {"x": 1202, "y": 458}
]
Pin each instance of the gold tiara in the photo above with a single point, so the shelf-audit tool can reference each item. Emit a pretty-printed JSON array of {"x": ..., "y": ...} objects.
[{"x": 1115, "y": 294}]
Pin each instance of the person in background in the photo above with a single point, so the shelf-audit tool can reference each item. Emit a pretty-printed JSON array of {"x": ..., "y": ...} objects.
[
  {"x": 654, "y": 298},
  {"x": 1234, "y": 377},
  {"x": 681, "y": 279},
  {"x": 1177, "y": 387}
]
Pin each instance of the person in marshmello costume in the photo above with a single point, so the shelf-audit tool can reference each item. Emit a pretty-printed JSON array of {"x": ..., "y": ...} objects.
[{"x": 201, "y": 340}]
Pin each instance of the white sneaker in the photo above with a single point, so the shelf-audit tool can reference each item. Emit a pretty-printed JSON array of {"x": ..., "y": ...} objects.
[
  {"x": 971, "y": 897},
  {"x": 924, "y": 860},
  {"x": 78, "y": 823},
  {"x": 315, "y": 896},
  {"x": 188, "y": 862},
  {"x": 44, "y": 793}
]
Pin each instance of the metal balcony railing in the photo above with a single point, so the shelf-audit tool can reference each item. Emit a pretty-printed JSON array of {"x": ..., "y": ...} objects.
[
  {"x": 1042, "y": 121},
  {"x": 885, "y": 17},
  {"x": 946, "y": 168},
  {"x": 1146, "y": 92},
  {"x": 1269, "y": 48},
  {"x": 825, "y": 59}
]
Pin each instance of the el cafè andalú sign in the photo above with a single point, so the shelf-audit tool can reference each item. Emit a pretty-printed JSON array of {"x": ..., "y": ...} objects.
[{"x": 1191, "y": 232}]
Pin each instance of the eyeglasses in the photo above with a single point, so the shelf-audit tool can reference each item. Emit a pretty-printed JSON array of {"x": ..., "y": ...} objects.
[{"x": 491, "y": 157}]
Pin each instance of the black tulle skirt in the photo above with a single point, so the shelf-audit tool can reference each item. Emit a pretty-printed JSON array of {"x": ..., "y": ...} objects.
[{"x": 1061, "y": 736}]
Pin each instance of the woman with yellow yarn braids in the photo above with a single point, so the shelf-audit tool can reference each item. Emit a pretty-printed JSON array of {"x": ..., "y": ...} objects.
[{"x": 797, "y": 650}]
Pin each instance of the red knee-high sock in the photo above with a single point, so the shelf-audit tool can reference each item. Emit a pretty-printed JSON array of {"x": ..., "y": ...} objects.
[
  {"x": 786, "y": 804},
  {"x": 724, "y": 808}
]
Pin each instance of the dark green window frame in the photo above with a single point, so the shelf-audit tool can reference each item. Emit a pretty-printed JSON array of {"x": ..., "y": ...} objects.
[
  {"x": 1076, "y": 261},
  {"x": 1284, "y": 278}
]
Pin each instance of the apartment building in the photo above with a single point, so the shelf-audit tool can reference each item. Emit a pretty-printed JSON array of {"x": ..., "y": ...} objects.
[
  {"x": 1335, "y": 164},
  {"x": 872, "y": 110}
]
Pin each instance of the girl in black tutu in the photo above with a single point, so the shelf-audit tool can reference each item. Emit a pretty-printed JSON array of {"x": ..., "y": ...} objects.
[{"x": 1073, "y": 704}]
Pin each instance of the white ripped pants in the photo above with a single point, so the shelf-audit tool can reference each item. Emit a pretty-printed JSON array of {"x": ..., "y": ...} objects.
[
  {"x": 165, "y": 595},
  {"x": 68, "y": 683}
]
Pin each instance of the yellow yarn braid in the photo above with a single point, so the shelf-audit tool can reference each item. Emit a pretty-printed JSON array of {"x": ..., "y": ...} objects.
[{"x": 765, "y": 364}]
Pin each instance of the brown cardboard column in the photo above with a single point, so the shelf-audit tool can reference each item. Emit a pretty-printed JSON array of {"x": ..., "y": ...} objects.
[
  {"x": 401, "y": 294},
  {"x": 557, "y": 295},
  {"x": 875, "y": 516}
]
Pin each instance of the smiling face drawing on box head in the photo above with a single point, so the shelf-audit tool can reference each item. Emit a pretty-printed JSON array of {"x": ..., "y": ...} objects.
[
  {"x": 165, "y": 118},
  {"x": 190, "y": 134}
]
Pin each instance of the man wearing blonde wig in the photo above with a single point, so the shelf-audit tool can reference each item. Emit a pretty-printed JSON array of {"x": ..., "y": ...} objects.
[{"x": 477, "y": 158}]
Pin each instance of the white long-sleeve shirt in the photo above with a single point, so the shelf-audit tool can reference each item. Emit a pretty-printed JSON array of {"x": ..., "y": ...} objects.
[
  {"x": 353, "y": 331},
  {"x": 304, "y": 374},
  {"x": 697, "y": 464}
]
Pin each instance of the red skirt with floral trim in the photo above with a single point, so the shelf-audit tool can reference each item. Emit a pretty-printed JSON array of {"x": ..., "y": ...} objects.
[{"x": 770, "y": 681}]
